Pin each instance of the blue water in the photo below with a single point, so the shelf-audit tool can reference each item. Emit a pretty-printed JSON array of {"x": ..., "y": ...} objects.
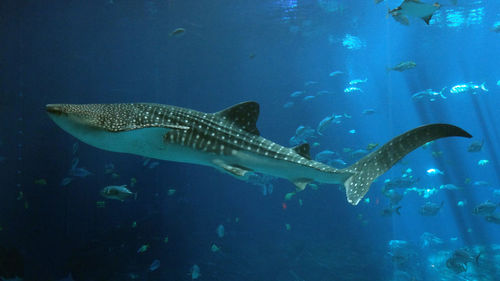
[{"x": 232, "y": 51}]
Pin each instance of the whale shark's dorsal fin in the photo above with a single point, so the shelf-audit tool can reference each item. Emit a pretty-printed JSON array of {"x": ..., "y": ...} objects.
[
  {"x": 303, "y": 150},
  {"x": 244, "y": 115}
]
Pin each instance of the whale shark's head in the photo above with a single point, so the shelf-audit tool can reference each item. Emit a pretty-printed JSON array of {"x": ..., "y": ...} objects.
[
  {"x": 99, "y": 124},
  {"x": 106, "y": 117},
  {"x": 119, "y": 127}
]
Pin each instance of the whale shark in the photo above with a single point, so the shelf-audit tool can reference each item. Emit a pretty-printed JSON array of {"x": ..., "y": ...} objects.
[{"x": 229, "y": 141}]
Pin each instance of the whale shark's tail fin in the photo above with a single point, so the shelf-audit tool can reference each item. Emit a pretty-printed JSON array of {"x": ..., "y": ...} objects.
[{"x": 366, "y": 170}]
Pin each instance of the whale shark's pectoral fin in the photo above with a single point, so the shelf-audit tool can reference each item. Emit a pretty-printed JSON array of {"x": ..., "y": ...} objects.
[
  {"x": 301, "y": 183},
  {"x": 237, "y": 171}
]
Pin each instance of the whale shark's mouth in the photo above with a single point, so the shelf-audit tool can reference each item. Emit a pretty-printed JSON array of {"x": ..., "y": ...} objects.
[{"x": 54, "y": 109}]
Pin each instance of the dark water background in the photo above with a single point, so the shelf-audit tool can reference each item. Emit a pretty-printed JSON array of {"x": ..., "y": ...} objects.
[{"x": 121, "y": 51}]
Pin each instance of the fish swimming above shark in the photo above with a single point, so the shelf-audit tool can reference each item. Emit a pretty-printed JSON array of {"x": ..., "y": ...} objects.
[
  {"x": 414, "y": 8},
  {"x": 228, "y": 140}
]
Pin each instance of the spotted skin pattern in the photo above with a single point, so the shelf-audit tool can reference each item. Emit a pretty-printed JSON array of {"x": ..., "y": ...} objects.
[{"x": 233, "y": 130}]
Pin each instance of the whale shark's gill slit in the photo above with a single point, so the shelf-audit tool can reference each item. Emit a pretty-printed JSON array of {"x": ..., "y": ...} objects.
[{"x": 366, "y": 170}]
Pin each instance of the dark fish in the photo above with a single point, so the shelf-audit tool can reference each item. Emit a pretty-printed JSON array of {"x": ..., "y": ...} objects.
[
  {"x": 485, "y": 208},
  {"x": 177, "y": 32},
  {"x": 414, "y": 8},
  {"x": 493, "y": 218},
  {"x": 430, "y": 209},
  {"x": 391, "y": 210},
  {"x": 403, "y": 66},
  {"x": 459, "y": 260},
  {"x": 117, "y": 192},
  {"x": 393, "y": 196},
  {"x": 475, "y": 146}
]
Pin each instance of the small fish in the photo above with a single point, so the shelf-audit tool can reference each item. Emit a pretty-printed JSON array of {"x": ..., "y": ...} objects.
[
  {"x": 485, "y": 208},
  {"x": 352, "y": 131},
  {"x": 430, "y": 94},
  {"x": 214, "y": 248},
  {"x": 358, "y": 153},
  {"x": 469, "y": 87},
  {"x": 449, "y": 186},
  {"x": 475, "y": 146},
  {"x": 493, "y": 218},
  {"x": 496, "y": 192},
  {"x": 109, "y": 168},
  {"x": 117, "y": 192},
  {"x": 171, "y": 192},
  {"x": 42, "y": 182},
  {"x": 325, "y": 156},
  {"x": 322, "y": 92},
  {"x": 153, "y": 165},
  {"x": 437, "y": 154},
  {"x": 75, "y": 147},
  {"x": 143, "y": 248},
  {"x": 288, "y": 104},
  {"x": 371, "y": 146},
  {"x": 368, "y": 111},
  {"x": 195, "y": 272},
  {"x": 394, "y": 196},
  {"x": 297, "y": 94},
  {"x": 430, "y": 209},
  {"x": 80, "y": 172},
  {"x": 306, "y": 98},
  {"x": 483, "y": 162},
  {"x": 496, "y": 28},
  {"x": 310, "y": 83},
  {"x": 389, "y": 211},
  {"x": 481, "y": 183},
  {"x": 459, "y": 260},
  {"x": 337, "y": 162},
  {"x": 155, "y": 265},
  {"x": 402, "y": 66},
  {"x": 74, "y": 163},
  {"x": 352, "y": 90},
  {"x": 324, "y": 123},
  {"x": 433, "y": 172},
  {"x": 335, "y": 73},
  {"x": 177, "y": 32},
  {"x": 66, "y": 181},
  {"x": 357, "y": 81},
  {"x": 220, "y": 231},
  {"x": 289, "y": 196}
]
